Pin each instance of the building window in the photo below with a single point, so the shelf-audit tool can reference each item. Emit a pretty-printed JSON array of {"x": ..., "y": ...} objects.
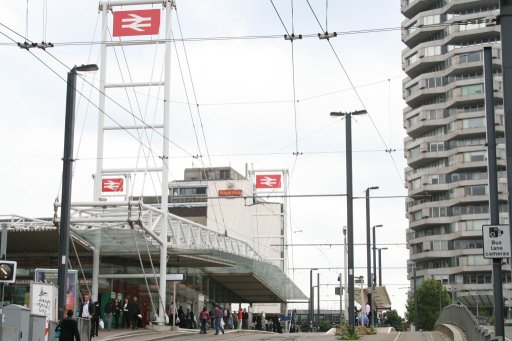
[
  {"x": 476, "y": 122},
  {"x": 475, "y": 156},
  {"x": 224, "y": 174},
  {"x": 475, "y": 190},
  {"x": 472, "y": 89}
]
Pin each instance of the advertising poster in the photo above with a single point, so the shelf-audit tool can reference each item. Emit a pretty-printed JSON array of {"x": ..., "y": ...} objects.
[{"x": 51, "y": 276}]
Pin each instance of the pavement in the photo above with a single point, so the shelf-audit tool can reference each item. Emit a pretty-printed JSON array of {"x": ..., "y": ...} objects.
[{"x": 383, "y": 334}]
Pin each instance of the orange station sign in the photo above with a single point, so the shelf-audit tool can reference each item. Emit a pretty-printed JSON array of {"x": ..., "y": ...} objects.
[{"x": 230, "y": 192}]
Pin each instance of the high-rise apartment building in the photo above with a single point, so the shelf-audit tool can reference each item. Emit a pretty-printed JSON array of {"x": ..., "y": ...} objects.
[{"x": 445, "y": 147}]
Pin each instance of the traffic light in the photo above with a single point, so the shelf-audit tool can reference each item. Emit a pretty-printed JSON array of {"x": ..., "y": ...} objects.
[{"x": 7, "y": 271}]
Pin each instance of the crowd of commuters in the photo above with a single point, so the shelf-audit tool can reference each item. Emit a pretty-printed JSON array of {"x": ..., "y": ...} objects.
[{"x": 127, "y": 314}]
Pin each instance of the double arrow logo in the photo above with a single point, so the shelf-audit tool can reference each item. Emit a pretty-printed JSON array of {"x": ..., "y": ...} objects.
[{"x": 136, "y": 23}]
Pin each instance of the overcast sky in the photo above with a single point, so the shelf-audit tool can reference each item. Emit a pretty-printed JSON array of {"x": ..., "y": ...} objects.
[{"x": 245, "y": 89}]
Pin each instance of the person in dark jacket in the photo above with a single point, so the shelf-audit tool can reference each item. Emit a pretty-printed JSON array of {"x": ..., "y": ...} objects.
[
  {"x": 69, "y": 328},
  {"x": 134, "y": 312},
  {"x": 117, "y": 313},
  {"x": 109, "y": 313},
  {"x": 87, "y": 309},
  {"x": 95, "y": 322}
]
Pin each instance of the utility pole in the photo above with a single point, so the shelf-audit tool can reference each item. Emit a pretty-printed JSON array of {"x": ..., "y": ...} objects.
[
  {"x": 67, "y": 175},
  {"x": 350, "y": 211},
  {"x": 494, "y": 211}
]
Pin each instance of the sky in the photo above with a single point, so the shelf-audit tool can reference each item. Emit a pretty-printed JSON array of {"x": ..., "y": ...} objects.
[{"x": 263, "y": 103}]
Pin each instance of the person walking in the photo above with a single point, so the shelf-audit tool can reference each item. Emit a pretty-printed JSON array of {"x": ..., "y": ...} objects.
[
  {"x": 87, "y": 310},
  {"x": 204, "y": 316},
  {"x": 109, "y": 313},
  {"x": 134, "y": 312},
  {"x": 218, "y": 320},
  {"x": 69, "y": 328}
]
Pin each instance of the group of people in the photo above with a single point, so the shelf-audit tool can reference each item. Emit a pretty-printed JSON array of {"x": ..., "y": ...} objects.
[
  {"x": 220, "y": 318},
  {"x": 115, "y": 311}
]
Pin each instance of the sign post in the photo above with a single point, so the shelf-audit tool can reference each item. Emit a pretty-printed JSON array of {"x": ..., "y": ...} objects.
[{"x": 496, "y": 241}]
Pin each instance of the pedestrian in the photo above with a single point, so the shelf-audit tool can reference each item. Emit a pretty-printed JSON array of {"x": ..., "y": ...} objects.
[
  {"x": 118, "y": 313},
  {"x": 134, "y": 312},
  {"x": 126, "y": 316},
  {"x": 235, "y": 320},
  {"x": 181, "y": 317},
  {"x": 204, "y": 316},
  {"x": 193, "y": 322},
  {"x": 69, "y": 328},
  {"x": 245, "y": 319},
  {"x": 95, "y": 321},
  {"x": 218, "y": 320},
  {"x": 172, "y": 314},
  {"x": 110, "y": 309},
  {"x": 240, "y": 318},
  {"x": 87, "y": 310},
  {"x": 368, "y": 311}
]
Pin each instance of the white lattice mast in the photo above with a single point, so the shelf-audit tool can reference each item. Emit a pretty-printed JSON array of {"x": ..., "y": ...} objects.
[{"x": 138, "y": 24}]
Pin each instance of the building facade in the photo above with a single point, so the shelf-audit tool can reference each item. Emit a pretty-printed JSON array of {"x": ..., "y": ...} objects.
[{"x": 445, "y": 147}]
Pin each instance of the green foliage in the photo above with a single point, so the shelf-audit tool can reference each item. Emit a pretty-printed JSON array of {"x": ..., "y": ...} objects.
[
  {"x": 432, "y": 297},
  {"x": 392, "y": 319},
  {"x": 324, "y": 326},
  {"x": 348, "y": 333}
]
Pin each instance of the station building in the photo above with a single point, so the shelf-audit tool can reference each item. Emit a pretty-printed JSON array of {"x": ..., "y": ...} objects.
[{"x": 227, "y": 243}]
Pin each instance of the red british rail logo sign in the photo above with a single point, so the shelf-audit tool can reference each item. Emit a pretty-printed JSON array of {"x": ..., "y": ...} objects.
[{"x": 136, "y": 23}]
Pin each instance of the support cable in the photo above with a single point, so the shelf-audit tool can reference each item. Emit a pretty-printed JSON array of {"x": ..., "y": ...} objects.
[{"x": 358, "y": 96}]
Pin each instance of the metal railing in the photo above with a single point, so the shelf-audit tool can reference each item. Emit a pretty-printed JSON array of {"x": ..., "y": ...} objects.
[{"x": 459, "y": 315}]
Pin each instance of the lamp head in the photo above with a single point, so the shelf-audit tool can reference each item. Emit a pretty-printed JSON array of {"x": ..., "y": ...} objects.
[
  {"x": 380, "y": 225},
  {"x": 86, "y": 68}
]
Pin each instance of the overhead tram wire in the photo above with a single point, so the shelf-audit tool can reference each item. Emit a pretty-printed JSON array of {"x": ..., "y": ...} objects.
[
  {"x": 200, "y": 122},
  {"x": 147, "y": 126},
  {"x": 249, "y": 37},
  {"x": 388, "y": 150}
]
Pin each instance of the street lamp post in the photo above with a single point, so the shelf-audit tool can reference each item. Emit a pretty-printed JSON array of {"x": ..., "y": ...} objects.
[
  {"x": 69, "y": 130},
  {"x": 311, "y": 294},
  {"x": 380, "y": 264},
  {"x": 350, "y": 209},
  {"x": 368, "y": 241},
  {"x": 374, "y": 273},
  {"x": 345, "y": 270}
]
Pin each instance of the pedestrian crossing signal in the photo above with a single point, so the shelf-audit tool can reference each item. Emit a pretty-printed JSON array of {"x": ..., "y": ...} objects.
[{"x": 7, "y": 271}]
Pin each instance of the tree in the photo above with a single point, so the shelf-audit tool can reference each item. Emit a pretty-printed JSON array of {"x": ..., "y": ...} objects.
[
  {"x": 392, "y": 319},
  {"x": 432, "y": 297}
]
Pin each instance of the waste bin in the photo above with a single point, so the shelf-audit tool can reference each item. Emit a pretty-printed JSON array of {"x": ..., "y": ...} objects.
[{"x": 37, "y": 329}]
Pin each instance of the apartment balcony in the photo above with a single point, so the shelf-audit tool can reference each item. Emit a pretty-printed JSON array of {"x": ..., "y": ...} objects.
[{"x": 410, "y": 8}]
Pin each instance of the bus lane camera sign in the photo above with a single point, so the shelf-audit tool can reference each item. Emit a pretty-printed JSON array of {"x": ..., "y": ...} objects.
[{"x": 496, "y": 241}]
